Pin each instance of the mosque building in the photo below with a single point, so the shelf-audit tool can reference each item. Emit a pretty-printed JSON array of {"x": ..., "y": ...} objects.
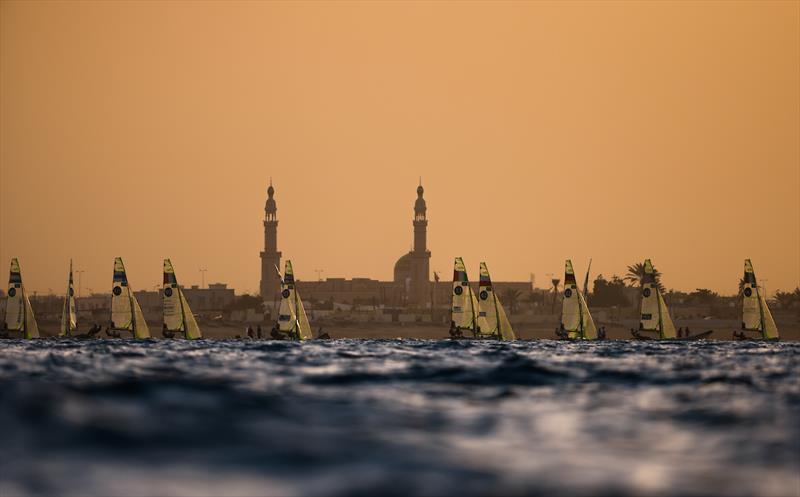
[{"x": 411, "y": 286}]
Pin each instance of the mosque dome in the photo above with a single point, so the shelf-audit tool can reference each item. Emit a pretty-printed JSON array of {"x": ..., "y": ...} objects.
[{"x": 402, "y": 268}]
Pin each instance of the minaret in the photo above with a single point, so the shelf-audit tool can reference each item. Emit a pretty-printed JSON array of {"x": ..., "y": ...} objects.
[
  {"x": 270, "y": 257},
  {"x": 420, "y": 222},
  {"x": 421, "y": 256}
]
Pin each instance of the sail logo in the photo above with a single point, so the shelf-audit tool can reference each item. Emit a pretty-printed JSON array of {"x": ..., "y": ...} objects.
[
  {"x": 748, "y": 292},
  {"x": 568, "y": 293},
  {"x": 484, "y": 295},
  {"x": 646, "y": 293},
  {"x": 458, "y": 290}
]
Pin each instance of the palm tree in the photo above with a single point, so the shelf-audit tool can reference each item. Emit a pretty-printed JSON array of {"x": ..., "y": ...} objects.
[
  {"x": 786, "y": 300},
  {"x": 636, "y": 273},
  {"x": 511, "y": 298},
  {"x": 555, "y": 282}
]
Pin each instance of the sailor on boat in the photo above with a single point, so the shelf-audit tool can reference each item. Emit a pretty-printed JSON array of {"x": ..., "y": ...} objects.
[
  {"x": 166, "y": 333},
  {"x": 655, "y": 322},
  {"x": 111, "y": 332}
]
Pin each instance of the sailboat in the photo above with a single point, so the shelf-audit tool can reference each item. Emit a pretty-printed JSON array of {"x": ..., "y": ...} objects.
[
  {"x": 69, "y": 320},
  {"x": 756, "y": 317},
  {"x": 655, "y": 322},
  {"x": 492, "y": 319},
  {"x": 178, "y": 317},
  {"x": 576, "y": 320},
  {"x": 292, "y": 318},
  {"x": 19, "y": 321},
  {"x": 464, "y": 309},
  {"x": 126, "y": 314}
]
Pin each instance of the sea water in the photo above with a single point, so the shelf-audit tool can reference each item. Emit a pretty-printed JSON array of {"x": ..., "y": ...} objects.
[{"x": 403, "y": 417}]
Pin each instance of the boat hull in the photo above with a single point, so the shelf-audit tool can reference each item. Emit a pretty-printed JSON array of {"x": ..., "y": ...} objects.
[
  {"x": 739, "y": 336},
  {"x": 698, "y": 336}
]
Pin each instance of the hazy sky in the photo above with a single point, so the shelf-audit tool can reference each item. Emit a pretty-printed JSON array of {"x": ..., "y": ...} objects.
[{"x": 616, "y": 131}]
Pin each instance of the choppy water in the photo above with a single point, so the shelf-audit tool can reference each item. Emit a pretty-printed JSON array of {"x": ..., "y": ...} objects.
[{"x": 399, "y": 418}]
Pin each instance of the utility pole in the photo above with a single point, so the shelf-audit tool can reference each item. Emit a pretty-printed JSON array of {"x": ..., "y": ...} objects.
[
  {"x": 319, "y": 274},
  {"x": 80, "y": 273},
  {"x": 203, "y": 277}
]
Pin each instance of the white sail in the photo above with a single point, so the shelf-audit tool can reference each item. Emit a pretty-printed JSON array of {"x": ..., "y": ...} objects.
[
  {"x": 19, "y": 313},
  {"x": 178, "y": 316},
  {"x": 756, "y": 315},
  {"x": 576, "y": 319},
  {"x": 571, "y": 318},
  {"x": 464, "y": 307},
  {"x": 492, "y": 319},
  {"x": 15, "y": 302},
  {"x": 667, "y": 325},
  {"x": 69, "y": 320},
  {"x": 121, "y": 302},
  {"x": 292, "y": 317},
  {"x": 303, "y": 326},
  {"x": 654, "y": 313},
  {"x": 589, "y": 328},
  {"x": 140, "y": 328},
  {"x": 287, "y": 313},
  {"x": 192, "y": 330},
  {"x": 31, "y": 326},
  {"x": 126, "y": 314},
  {"x": 171, "y": 300},
  {"x": 504, "y": 328}
]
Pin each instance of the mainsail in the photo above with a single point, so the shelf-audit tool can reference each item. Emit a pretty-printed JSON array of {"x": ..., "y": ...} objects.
[
  {"x": 464, "y": 309},
  {"x": 654, "y": 313},
  {"x": 492, "y": 319},
  {"x": 576, "y": 319},
  {"x": 19, "y": 313},
  {"x": 756, "y": 315},
  {"x": 292, "y": 318},
  {"x": 69, "y": 320},
  {"x": 178, "y": 316},
  {"x": 126, "y": 314}
]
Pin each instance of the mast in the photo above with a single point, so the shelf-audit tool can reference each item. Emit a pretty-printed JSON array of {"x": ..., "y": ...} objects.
[{"x": 586, "y": 280}]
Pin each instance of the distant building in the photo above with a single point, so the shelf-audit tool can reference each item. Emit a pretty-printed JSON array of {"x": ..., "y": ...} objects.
[
  {"x": 270, "y": 258},
  {"x": 214, "y": 298},
  {"x": 413, "y": 269},
  {"x": 410, "y": 287}
]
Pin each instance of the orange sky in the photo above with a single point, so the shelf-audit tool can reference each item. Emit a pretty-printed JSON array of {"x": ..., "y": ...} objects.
[{"x": 616, "y": 131}]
